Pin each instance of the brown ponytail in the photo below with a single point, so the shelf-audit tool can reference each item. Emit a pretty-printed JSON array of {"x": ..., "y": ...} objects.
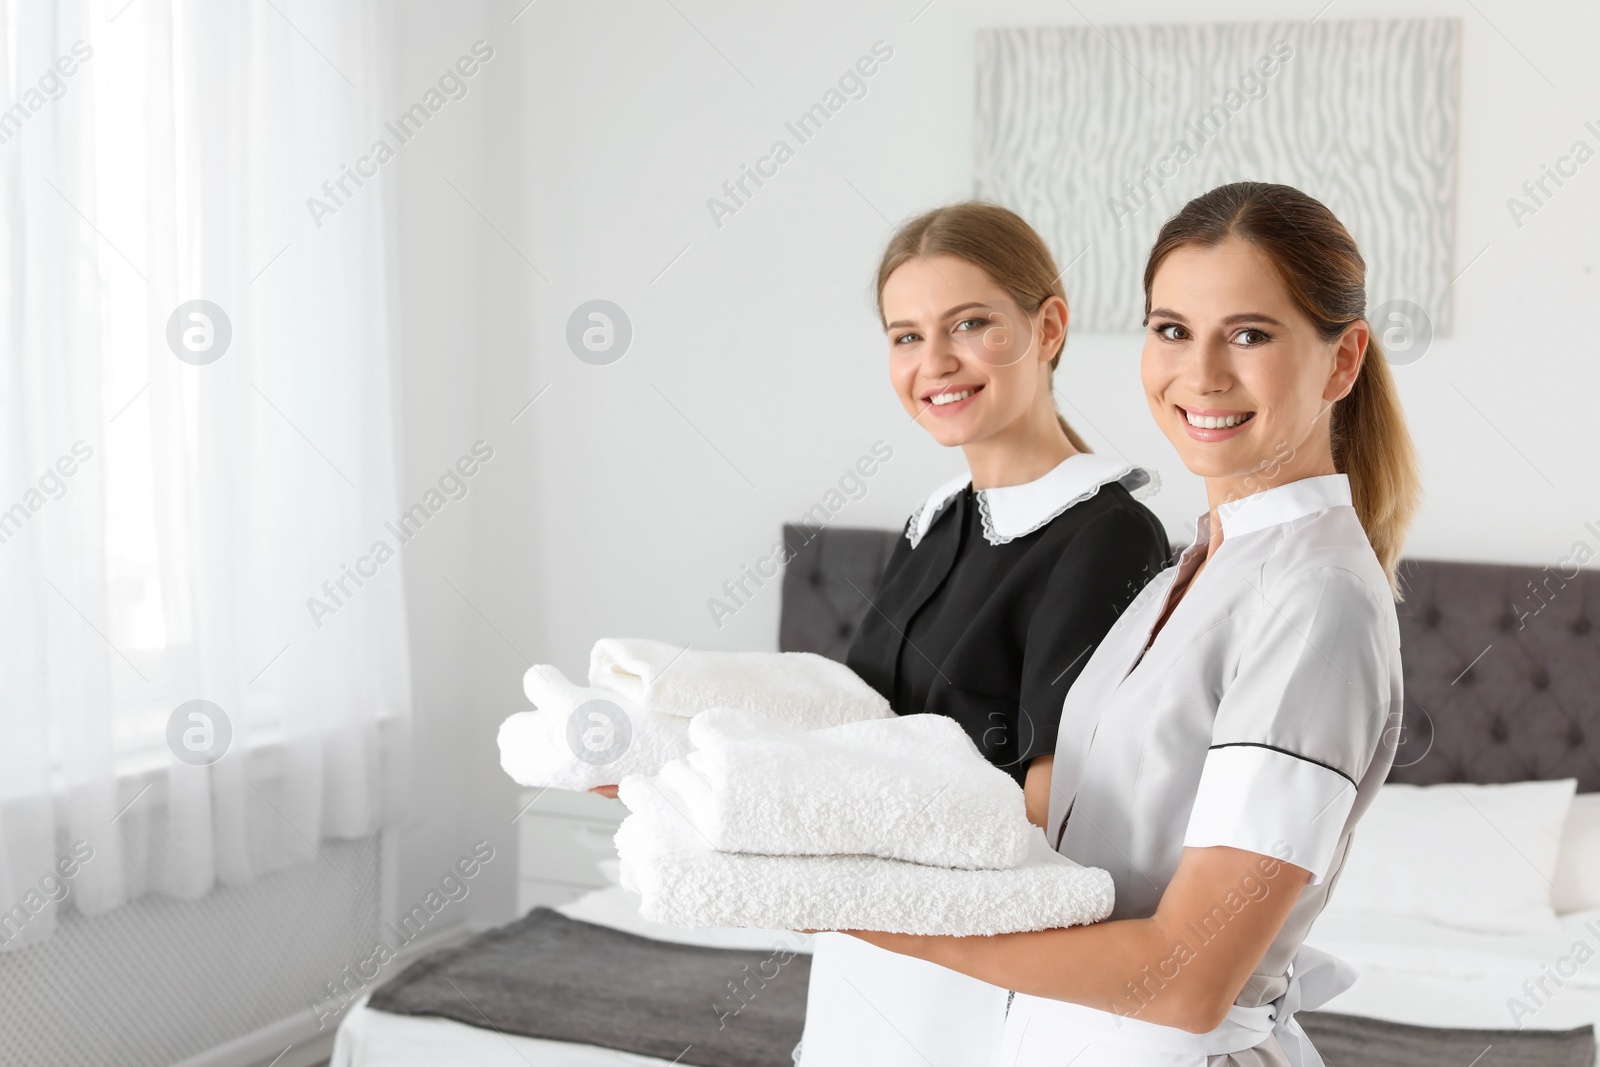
[
  {"x": 1325, "y": 276},
  {"x": 996, "y": 241},
  {"x": 1372, "y": 445}
]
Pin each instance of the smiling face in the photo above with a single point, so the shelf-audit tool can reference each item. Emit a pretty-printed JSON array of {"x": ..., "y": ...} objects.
[
  {"x": 966, "y": 361},
  {"x": 1237, "y": 376}
]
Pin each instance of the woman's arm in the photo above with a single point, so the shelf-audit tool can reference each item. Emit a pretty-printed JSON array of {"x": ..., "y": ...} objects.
[
  {"x": 1036, "y": 789},
  {"x": 1182, "y": 967}
]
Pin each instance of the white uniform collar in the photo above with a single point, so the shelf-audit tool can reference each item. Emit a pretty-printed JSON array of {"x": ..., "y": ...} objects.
[
  {"x": 1013, "y": 511},
  {"x": 1283, "y": 503}
]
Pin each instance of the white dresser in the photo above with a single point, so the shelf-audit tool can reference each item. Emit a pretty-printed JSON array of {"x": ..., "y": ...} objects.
[{"x": 562, "y": 838}]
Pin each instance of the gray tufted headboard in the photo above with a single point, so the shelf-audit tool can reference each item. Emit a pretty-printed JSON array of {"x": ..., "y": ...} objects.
[
  {"x": 1502, "y": 663},
  {"x": 1502, "y": 674},
  {"x": 830, "y": 574}
]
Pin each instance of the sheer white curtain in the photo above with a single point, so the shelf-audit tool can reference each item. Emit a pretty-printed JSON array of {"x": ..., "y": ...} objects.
[{"x": 167, "y": 515}]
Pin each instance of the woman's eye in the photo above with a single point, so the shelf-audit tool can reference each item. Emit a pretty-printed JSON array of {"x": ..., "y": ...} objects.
[
  {"x": 1250, "y": 337},
  {"x": 904, "y": 339},
  {"x": 1171, "y": 331},
  {"x": 970, "y": 324}
]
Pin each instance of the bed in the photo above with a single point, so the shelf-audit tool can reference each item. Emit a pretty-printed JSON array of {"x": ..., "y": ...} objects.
[{"x": 1502, "y": 678}]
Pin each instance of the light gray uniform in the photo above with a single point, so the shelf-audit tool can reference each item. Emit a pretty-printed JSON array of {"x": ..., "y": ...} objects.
[{"x": 1261, "y": 717}]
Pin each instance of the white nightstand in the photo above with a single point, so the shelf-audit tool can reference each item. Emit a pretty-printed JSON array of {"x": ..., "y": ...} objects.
[{"x": 562, "y": 838}]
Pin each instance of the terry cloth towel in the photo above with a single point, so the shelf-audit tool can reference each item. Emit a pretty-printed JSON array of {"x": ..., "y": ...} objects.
[
  {"x": 683, "y": 881},
  {"x": 578, "y": 738},
  {"x": 912, "y": 787},
  {"x": 799, "y": 688}
]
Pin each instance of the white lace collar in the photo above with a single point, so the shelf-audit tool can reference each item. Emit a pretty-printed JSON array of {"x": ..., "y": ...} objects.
[{"x": 1012, "y": 511}]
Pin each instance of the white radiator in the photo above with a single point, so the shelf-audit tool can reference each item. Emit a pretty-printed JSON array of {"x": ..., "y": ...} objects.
[{"x": 160, "y": 980}]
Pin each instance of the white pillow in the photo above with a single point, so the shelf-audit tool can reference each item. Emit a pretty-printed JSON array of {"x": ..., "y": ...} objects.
[
  {"x": 1578, "y": 865},
  {"x": 1480, "y": 857}
]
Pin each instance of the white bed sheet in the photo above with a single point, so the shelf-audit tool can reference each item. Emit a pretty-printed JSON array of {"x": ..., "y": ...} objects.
[
  {"x": 1411, "y": 971},
  {"x": 1414, "y": 971},
  {"x": 369, "y": 1038}
]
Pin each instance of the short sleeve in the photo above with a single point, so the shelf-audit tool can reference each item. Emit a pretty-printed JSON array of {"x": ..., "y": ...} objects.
[
  {"x": 1098, "y": 575},
  {"x": 1300, "y": 722}
]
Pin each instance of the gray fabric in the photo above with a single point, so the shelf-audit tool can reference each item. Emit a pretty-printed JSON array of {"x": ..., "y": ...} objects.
[
  {"x": 552, "y": 977},
  {"x": 1349, "y": 1039},
  {"x": 1502, "y": 665},
  {"x": 826, "y": 583}
]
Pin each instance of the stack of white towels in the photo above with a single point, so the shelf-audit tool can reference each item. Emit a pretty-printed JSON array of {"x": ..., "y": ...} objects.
[
  {"x": 893, "y": 824},
  {"x": 779, "y": 791},
  {"x": 634, "y": 714}
]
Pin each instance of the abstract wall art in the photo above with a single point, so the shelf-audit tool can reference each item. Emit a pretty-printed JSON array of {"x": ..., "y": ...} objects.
[{"x": 1097, "y": 135}]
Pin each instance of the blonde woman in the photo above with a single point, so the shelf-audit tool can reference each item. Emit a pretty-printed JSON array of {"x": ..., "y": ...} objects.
[
  {"x": 1227, "y": 734},
  {"x": 1007, "y": 578}
]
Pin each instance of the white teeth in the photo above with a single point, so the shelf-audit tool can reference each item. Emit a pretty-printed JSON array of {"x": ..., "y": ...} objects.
[
  {"x": 1215, "y": 422},
  {"x": 950, "y": 398}
]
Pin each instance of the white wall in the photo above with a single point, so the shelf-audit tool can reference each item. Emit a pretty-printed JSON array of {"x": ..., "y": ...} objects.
[{"x": 629, "y": 493}]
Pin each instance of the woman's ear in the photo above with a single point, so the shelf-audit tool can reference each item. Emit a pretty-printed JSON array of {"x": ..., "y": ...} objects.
[
  {"x": 1348, "y": 356},
  {"x": 1053, "y": 318}
]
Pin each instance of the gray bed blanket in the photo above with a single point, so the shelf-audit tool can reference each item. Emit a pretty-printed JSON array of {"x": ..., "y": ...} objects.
[
  {"x": 552, "y": 977},
  {"x": 1350, "y": 1039}
]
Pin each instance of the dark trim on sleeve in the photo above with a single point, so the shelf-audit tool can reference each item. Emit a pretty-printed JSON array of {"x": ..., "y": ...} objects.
[{"x": 1286, "y": 752}]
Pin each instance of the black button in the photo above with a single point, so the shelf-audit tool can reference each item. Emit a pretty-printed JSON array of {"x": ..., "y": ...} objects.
[
  {"x": 1541, "y": 679},
  {"x": 1574, "y": 737},
  {"x": 1581, "y": 626},
  {"x": 1431, "y": 617},
  {"x": 844, "y": 629},
  {"x": 1508, "y": 621},
  {"x": 1498, "y": 731},
  {"x": 1465, "y": 677}
]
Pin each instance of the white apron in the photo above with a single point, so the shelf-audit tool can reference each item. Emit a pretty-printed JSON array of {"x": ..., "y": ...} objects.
[
  {"x": 868, "y": 1007},
  {"x": 1052, "y": 1033}
]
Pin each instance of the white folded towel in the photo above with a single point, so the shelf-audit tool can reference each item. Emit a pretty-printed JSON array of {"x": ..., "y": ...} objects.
[
  {"x": 799, "y": 688},
  {"x": 550, "y": 690},
  {"x": 911, "y": 787},
  {"x": 683, "y": 881},
  {"x": 579, "y": 738}
]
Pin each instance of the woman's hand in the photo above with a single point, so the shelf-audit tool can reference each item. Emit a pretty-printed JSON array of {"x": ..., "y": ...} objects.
[
  {"x": 1182, "y": 967},
  {"x": 605, "y": 791},
  {"x": 1036, "y": 789}
]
